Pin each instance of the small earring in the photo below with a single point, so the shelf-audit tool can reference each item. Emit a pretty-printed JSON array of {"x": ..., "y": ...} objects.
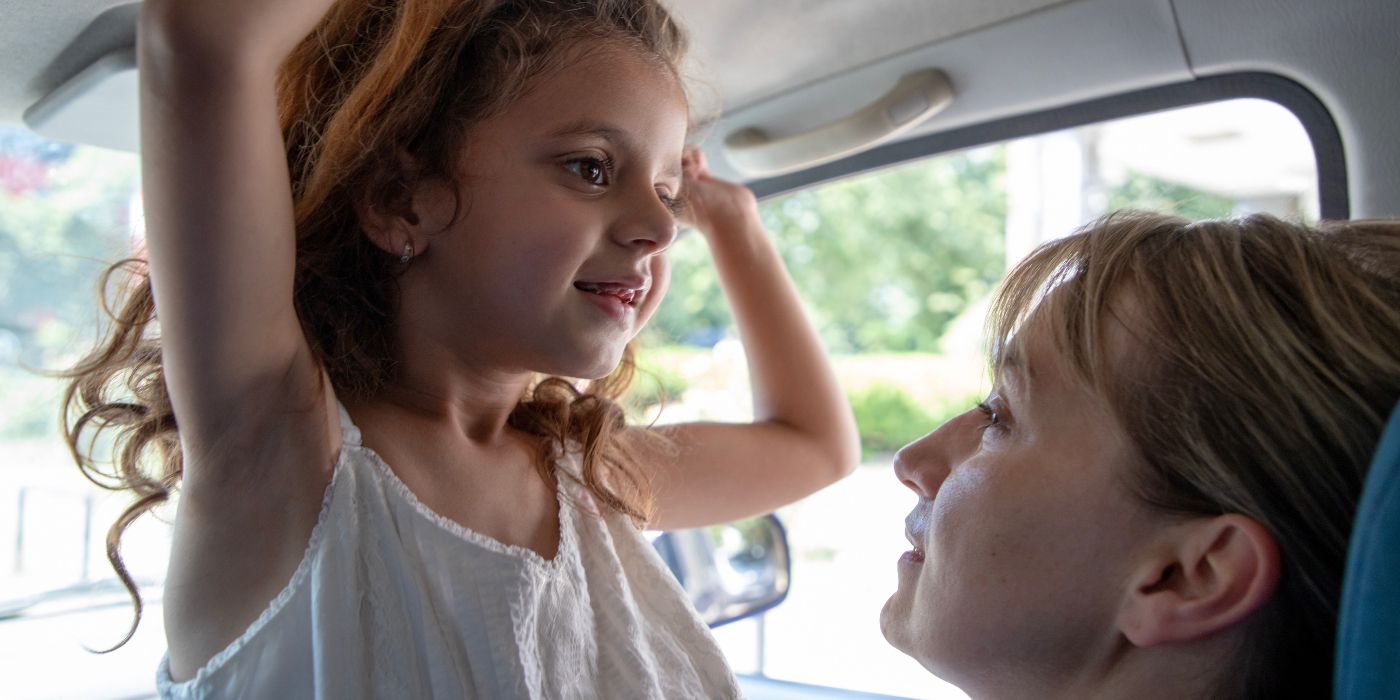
[{"x": 407, "y": 252}]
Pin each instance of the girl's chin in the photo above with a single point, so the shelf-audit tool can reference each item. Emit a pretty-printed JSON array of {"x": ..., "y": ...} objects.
[{"x": 591, "y": 370}]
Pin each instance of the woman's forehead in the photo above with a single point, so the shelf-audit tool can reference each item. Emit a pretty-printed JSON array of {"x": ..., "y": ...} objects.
[
  {"x": 1044, "y": 360},
  {"x": 1074, "y": 336}
]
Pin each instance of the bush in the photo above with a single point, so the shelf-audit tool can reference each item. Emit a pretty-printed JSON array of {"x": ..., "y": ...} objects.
[
  {"x": 889, "y": 419},
  {"x": 651, "y": 386}
]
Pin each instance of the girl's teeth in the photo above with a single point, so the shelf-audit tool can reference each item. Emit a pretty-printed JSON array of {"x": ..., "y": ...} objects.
[{"x": 627, "y": 296}]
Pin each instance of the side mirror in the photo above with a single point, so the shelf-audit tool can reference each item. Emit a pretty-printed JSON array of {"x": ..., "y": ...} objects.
[{"x": 730, "y": 571}]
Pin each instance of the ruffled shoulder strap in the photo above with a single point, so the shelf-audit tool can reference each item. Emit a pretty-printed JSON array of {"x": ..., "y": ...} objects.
[{"x": 349, "y": 434}]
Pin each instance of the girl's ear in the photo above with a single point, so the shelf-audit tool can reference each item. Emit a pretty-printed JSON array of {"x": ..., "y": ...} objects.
[
  {"x": 1212, "y": 573},
  {"x": 400, "y": 208}
]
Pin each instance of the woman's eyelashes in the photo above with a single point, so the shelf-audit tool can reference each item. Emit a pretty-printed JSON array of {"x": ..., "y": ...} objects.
[{"x": 992, "y": 418}]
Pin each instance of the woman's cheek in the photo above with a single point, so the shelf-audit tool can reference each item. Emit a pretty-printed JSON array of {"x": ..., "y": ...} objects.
[{"x": 961, "y": 503}]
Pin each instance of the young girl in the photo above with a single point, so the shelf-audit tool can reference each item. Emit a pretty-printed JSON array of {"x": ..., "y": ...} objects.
[{"x": 379, "y": 497}]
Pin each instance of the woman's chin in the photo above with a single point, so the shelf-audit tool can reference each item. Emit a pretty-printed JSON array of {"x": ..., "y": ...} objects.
[{"x": 893, "y": 620}]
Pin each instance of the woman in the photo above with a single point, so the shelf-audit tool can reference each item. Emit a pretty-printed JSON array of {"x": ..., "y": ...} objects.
[{"x": 1156, "y": 497}]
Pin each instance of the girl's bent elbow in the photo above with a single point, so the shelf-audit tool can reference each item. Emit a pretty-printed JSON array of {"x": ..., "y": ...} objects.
[
  {"x": 849, "y": 450},
  {"x": 844, "y": 457},
  {"x": 847, "y": 466}
]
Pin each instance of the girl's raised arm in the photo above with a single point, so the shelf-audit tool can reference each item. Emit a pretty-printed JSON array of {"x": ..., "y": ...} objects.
[
  {"x": 219, "y": 219},
  {"x": 256, "y": 429},
  {"x": 803, "y": 436}
]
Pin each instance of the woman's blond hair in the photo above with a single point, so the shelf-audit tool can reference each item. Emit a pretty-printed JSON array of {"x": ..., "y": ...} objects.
[
  {"x": 374, "y": 81},
  {"x": 1265, "y": 360}
]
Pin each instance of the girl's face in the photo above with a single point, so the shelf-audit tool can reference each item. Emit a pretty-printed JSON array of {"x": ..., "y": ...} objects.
[
  {"x": 558, "y": 258},
  {"x": 1024, "y": 536}
]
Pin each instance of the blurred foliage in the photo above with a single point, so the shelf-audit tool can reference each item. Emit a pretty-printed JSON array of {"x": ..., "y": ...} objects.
[
  {"x": 884, "y": 261},
  {"x": 64, "y": 216},
  {"x": 1138, "y": 191},
  {"x": 888, "y": 418},
  {"x": 653, "y": 385}
]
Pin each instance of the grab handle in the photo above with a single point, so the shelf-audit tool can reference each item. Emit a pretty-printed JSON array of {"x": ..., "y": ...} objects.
[{"x": 916, "y": 97}]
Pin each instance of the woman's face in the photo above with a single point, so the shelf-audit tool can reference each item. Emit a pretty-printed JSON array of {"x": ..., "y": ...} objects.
[
  {"x": 558, "y": 258},
  {"x": 1023, "y": 535}
]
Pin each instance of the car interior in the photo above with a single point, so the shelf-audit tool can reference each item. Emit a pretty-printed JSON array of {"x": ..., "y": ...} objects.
[{"x": 794, "y": 96}]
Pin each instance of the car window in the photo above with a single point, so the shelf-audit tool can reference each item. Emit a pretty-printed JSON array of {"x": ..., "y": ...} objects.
[
  {"x": 896, "y": 268},
  {"x": 65, "y": 213}
]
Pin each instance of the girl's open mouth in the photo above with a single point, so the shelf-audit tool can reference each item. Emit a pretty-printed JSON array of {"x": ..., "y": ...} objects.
[{"x": 627, "y": 294}]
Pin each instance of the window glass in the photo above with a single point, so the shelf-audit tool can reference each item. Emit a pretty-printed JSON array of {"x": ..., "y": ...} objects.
[
  {"x": 66, "y": 212},
  {"x": 896, "y": 268}
]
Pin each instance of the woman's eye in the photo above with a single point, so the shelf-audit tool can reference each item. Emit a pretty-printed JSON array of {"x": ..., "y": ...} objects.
[
  {"x": 990, "y": 415},
  {"x": 591, "y": 170}
]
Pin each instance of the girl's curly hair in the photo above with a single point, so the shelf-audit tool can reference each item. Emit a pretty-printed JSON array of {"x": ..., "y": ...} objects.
[{"x": 372, "y": 81}]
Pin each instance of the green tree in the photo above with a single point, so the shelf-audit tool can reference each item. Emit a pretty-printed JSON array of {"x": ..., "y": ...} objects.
[
  {"x": 884, "y": 261},
  {"x": 888, "y": 418},
  {"x": 1140, "y": 191},
  {"x": 64, "y": 216}
]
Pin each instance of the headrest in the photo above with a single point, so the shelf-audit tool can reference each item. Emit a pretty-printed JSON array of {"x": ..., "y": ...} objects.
[{"x": 1368, "y": 633}]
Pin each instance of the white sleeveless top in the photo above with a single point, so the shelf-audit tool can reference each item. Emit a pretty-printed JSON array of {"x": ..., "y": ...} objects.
[{"x": 392, "y": 600}]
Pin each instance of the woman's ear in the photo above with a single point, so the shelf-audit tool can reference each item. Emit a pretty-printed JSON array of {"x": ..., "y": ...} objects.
[{"x": 1210, "y": 574}]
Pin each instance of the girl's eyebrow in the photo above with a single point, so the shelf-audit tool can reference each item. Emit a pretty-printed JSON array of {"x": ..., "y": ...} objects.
[
  {"x": 609, "y": 133},
  {"x": 590, "y": 127}
]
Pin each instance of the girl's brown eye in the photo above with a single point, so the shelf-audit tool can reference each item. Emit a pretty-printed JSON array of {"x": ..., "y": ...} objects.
[{"x": 591, "y": 170}]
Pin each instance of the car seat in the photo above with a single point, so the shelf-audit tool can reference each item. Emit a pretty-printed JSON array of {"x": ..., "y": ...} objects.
[{"x": 1368, "y": 633}]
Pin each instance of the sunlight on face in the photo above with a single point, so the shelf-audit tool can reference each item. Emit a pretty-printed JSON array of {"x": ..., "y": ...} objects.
[
  {"x": 559, "y": 259},
  {"x": 1024, "y": 532}
]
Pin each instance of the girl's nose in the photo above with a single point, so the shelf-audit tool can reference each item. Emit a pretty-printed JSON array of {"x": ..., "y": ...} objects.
[{"x": 648, "y": 223}]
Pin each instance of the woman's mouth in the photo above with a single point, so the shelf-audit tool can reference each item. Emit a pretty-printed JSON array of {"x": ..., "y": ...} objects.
[
  {"x": 916, "y": 527},
  {"x": 915, "y": 555}
]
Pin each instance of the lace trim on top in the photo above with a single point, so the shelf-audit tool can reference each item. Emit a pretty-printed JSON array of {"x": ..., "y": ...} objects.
[
  {"x": 350, "y": 437},
  {"x": 164, "y": 679},
  {"x": 472, "y": 537}
]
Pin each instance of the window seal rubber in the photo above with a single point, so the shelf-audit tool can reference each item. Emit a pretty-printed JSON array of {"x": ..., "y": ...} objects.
[{"x": 1333, "y": 201}]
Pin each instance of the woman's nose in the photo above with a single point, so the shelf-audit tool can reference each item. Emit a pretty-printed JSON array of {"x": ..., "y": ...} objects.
[{"x": 923, "y": 464}]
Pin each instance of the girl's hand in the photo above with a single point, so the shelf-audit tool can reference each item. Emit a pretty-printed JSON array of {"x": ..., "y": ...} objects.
[
  {"x": 218, "y": 33},
  {"x": 715, "y": 207}
]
